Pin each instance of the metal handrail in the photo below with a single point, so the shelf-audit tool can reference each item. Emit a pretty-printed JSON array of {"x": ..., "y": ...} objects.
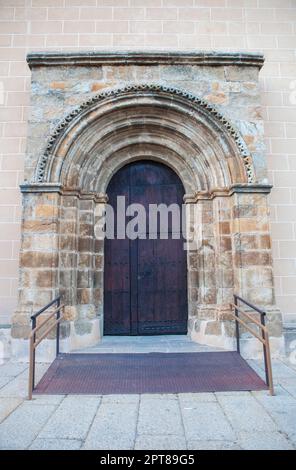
[
  {"x": 264, "y": 338},
  {"x": 35, "y": 342}
]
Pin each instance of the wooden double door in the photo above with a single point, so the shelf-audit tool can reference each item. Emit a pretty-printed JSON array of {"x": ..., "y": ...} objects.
[{"x": 145, "y": 280}]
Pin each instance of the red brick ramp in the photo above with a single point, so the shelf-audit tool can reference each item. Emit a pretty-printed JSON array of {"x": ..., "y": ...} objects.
[{"x": 105, "y": 374}]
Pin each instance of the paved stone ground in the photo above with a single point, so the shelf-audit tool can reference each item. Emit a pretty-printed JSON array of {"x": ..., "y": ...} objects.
[{"x": 227, "y": 420}]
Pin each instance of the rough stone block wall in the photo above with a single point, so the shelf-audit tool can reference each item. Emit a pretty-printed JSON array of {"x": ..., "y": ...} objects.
[{"x": 245, "y": 25}]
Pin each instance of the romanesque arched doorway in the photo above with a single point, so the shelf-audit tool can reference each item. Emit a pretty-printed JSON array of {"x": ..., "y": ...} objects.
[
  {"x": 145, "y": 278},
  {"x": 80, "y": 141}
]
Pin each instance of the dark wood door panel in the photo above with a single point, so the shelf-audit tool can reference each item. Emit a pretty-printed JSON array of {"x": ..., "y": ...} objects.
[
  {"x": 146, "y": 280},
  {"x": 162, "y": 287}
]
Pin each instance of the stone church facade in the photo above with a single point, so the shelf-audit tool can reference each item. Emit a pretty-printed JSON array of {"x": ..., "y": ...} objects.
[{"x": 76, "y": 107}]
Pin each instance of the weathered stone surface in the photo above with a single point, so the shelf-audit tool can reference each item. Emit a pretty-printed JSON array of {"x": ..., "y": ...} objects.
[
  {"x": 246, "y": 414},
  {"x": 39, "y": 226},
  {"x": 212, "y": 445},
  {"x": 159, "y": 416},
  {"x": 235, "y": 73},
  {"x": 55, "y": 444},
  {"x": 170, "y": 442},
  {"x": 229, "y": 328},
  {"x": 46, "y": 211},
  {"x": 7, "y": 405},
  {"x": 70, "y": 312},
  {"x": 79, "y": 137},
  {"x": 84, "y": 296},
  {"x": 46, "y": 278},
  {"x": 72, "y": 418},
  {"x": 35, "y": 259},
  {"x": 264, "y": 441},
  {"x": 213, "y": 328},
  {"x": 82, "y": 327},
  {"x": 212, "y": 423},
  {"x": 114, "y": 427},
  {"x": 13, "y": 435}
]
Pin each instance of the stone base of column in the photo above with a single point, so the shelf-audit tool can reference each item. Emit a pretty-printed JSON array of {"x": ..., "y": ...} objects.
[
  {"x": 74, "y": 335},
  {"x": 214, "y": 327}
]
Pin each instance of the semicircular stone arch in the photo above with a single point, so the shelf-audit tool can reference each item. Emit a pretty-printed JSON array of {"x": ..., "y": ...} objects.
[{"x": 188, "y": 133}]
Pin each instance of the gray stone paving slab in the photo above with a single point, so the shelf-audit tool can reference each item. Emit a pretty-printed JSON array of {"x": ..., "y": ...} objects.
[
  {"x": 4, "y": 380},
  {"x": 72, "y": 418},
  {"x": 134, "y": 399},
  {"x": 291, "y": 389},
  {"x": 289, "y": 362},
  {"x": 246, "y": 414},
  {"x": 158, "y": 417},
  {"x": 12, "y": 369},
  {"x": 114, "y": 427},
  {"x": 280, "y": 391},
  {"x": 159, "y": 396},
  {"x": 194, "y": 399},
  {"x": 227, "y": 394},
  {"x": 160, "y": 442},
  {"x": 283, "y": 411},
  {"x": 206, "y": 422},
  {"x": 281, "y": 370},
  {"x": 212, "y": 445},
  {"x": 47, "y": 399},
  {"x": 22, "y": 426},
  {"x": 289, "y": 386},
  {"x": 17, "y": 387},
  {"x": 7, "y": 405},
  {"x": 55, "y": 444},
  {"x": 264, "y": 441}
]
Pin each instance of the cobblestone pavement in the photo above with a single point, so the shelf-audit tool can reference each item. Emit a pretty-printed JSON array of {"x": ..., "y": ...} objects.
[{"x": 226, "y": 420}]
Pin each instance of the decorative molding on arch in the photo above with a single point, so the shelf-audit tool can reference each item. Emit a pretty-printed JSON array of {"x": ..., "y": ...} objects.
[
  {"x": 227, "y": 192},
  {"x": 102, "y": 198},
  {"x": 58, "y": 188},
  {"x": 60, "y": 130},
  {"x": 132, "y": 57}
]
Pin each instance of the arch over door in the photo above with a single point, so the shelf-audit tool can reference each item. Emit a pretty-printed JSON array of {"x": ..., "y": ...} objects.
[{"x": 145, "y": 280}]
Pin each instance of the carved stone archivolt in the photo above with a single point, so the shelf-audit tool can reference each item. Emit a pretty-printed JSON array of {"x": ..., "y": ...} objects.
[{"x": 148, "y": 93}]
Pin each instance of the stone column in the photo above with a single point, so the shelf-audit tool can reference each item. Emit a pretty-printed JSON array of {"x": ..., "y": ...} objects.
[
  {"x": 39, "y": 257},
  {"x": 222, "y": 210},
  {"x": 191, "y": 246},
  {"x": 101, "y": 200},
  {"x": 202, "y": 272},
  {"x": 68, "y": 248},
  {"x": 253, "y": 270}
]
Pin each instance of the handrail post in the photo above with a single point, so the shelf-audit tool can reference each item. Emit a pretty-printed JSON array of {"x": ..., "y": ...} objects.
[
  {"x": 262, "y": 318},
  {"x": 263, "y": 338},
  {"x": 34, "y": 343},
  {"x": 58, "y": 327},
  {"x": 268, "y": 369},
  {"x": 32, "y": 353},
  {"x": 31, "y": 367},
  {"x": 236, "y": 326}
]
